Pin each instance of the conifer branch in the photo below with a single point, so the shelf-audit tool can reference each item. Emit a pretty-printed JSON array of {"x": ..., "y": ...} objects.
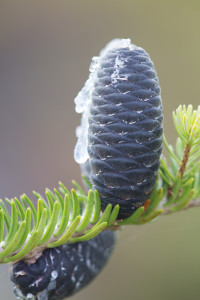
[{"x": 69, "y": 217}]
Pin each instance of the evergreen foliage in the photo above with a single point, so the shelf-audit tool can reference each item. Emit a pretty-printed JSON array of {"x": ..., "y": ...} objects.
[{"x": 68, "y": 217}]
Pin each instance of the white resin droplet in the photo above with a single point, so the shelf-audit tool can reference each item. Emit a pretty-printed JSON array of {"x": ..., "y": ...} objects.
[
  {"x": 54, "y": 274},
  {"x": 29, "y": 296},
  {"x": 84, "y": 97}
]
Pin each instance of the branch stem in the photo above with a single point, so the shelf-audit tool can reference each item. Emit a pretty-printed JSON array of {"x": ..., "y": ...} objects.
[
  {"x": 184, "y": 160},
  {"x": 167, "y": 210}
]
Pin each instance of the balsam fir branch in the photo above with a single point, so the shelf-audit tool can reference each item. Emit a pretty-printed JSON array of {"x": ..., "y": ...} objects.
[
  {"x": 59, "y": 246},
  {"x": 180, "y": 179},
  {"x": 66, "y": 217}
]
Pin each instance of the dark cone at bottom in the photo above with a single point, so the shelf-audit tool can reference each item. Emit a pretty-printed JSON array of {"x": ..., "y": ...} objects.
[{"x": 62, "y": 271}]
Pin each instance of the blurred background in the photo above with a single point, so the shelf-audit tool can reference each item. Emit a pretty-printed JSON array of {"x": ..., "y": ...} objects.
[{"x": 46, "y": 49}]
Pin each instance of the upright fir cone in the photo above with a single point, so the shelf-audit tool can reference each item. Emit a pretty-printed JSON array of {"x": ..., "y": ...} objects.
[{"x": 120, "y": 136}]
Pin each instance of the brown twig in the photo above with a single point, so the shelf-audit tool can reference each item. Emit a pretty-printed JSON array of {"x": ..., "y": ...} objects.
[
  {"x": 184, "y": 160},
  {"x": 181, "y": 169}
]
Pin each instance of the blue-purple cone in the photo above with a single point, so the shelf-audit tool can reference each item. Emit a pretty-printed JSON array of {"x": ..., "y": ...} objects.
[
  {"x": 125, "y": 129},
  {"x": 62, "y": 271}
]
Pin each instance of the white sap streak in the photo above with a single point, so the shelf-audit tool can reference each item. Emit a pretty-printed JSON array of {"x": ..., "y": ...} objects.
[
  {"x": 119, "y": 63},
  {"x": 82, "y": 102},
  {"x": 84, "y": 97}
]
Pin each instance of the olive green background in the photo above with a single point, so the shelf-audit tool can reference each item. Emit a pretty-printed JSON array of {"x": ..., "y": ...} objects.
[{"x": 46, "y": 49}]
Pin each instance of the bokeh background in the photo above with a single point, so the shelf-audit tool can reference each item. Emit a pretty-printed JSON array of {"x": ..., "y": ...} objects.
[{"x": 46, "y": 48}]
